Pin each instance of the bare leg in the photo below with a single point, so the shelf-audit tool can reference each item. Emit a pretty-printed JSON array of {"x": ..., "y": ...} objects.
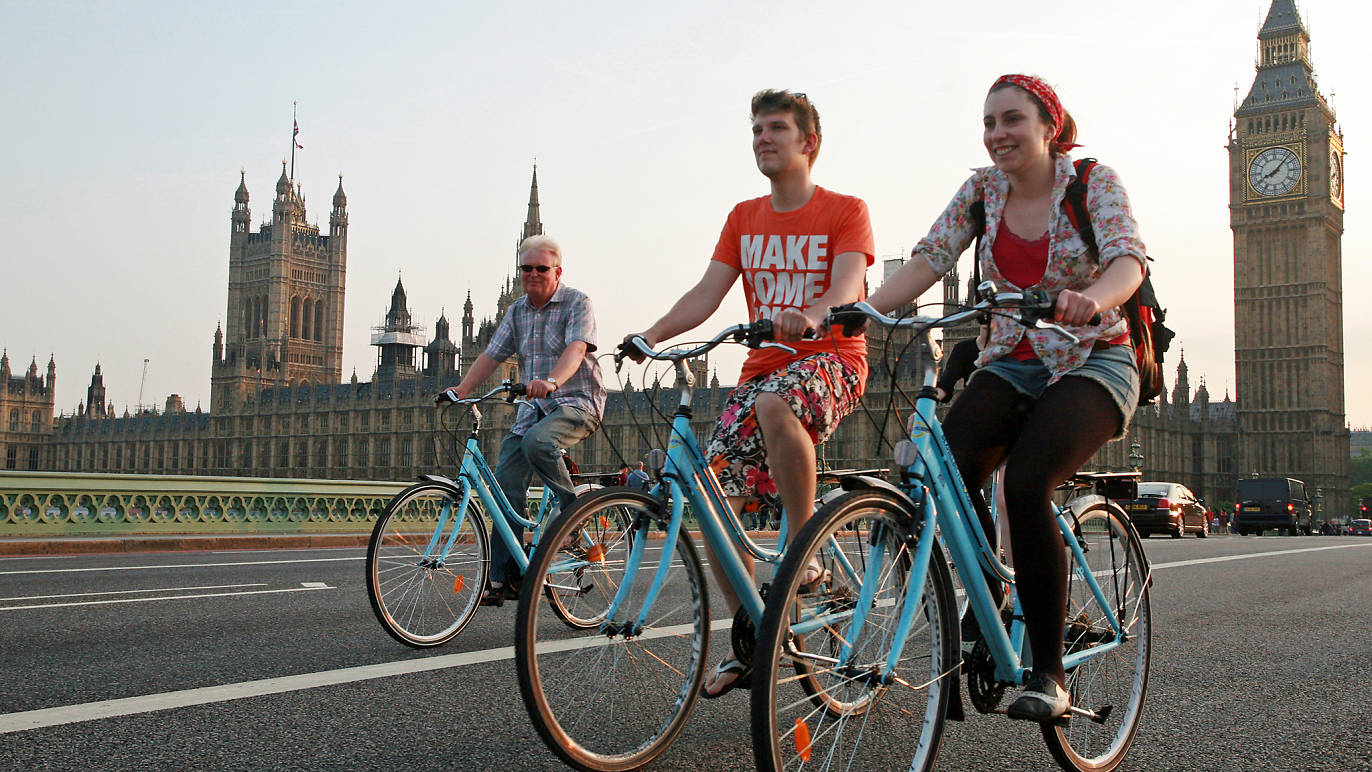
[{"x": 790, "y": 458}]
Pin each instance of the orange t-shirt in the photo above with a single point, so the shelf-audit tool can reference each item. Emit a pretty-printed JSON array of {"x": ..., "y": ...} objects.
[{"x": 786, "y": 260}]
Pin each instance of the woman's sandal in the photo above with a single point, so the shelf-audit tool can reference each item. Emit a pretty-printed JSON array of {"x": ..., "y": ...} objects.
[{"x": 743, "y": 678}]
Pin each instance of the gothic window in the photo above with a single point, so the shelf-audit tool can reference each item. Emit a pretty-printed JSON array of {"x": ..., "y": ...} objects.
[
  {"x": 11, "y": 457},
  {"x": 385, "y": 419},
  {"x": 341, "y": 454},
  {"x": 14, "y": 421},
  {"x": 407, "y": 452},
  {"x": 306, "y": 318},
  {"x": 36, "y": 422},
  {"x": 283, "y": 454},
  {"x": 302, "y": 454},
  {"x": 295, "y": 317},
  {"x": 321, "y": 454},
  {"x": 383, "y": 451},
  {"x": 364, "y": 455},
  {"x": 33, "y": 458},
  {"x": 319, "y": 320}
]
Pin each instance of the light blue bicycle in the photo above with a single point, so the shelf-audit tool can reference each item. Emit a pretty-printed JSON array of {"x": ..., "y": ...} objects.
[
  {"x": 429, "y": 552},
  {"x": 862, "y": 672},
  {"x": 615, "y": 697}
]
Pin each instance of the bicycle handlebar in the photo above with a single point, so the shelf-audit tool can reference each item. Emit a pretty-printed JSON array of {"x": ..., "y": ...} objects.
[
  {"x": 509, "y": 388},
  {"x": 754, "y": 335},
  {"x": 1033, "y": 305}
]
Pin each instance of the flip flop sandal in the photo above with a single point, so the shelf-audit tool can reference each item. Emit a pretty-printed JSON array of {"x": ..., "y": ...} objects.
[
  {"x": 821, "y": 574},
  {"x": 743, "y": 679}
]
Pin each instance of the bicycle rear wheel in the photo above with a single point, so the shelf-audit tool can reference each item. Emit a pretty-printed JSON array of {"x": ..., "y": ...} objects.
[
  {"x": 426, "y": 565},
  {"x": 809, "y": 708},
  {"x": 1117, "y": 680},
  {"x": 579, "y": 587},
  {"x": 599, "y": 699}
]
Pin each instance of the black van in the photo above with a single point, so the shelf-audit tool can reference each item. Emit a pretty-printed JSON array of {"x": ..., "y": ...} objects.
[{"x": 1272, "y": 502}]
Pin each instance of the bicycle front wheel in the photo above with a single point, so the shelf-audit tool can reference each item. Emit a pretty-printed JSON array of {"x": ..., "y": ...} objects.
[
  {"x": 606, "y": 698},
  {"x": 824, "y": 695},
  {"x": 1116, "y": 681},
  {"x": 426, "y": 565}
]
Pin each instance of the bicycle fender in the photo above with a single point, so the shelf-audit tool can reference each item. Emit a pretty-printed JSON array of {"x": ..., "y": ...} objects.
[
  {"x": 439, "y": 479},
  {"x": 860, "y": 482}
]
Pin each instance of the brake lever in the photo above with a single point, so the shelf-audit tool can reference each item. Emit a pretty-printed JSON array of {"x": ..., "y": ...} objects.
[
  {"x": 1039, "y": 324},
  {"x": 774, "y": 344}
]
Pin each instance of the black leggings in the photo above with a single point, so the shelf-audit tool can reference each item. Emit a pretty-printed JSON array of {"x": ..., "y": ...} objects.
[{"x": 1042, "y": 442}]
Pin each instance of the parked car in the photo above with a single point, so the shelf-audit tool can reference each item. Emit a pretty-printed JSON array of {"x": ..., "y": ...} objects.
[
  {"x": 1361, "y": 527},
  {"x": 1166, "y": 507},
  {"x": 1272, "y": 502}
]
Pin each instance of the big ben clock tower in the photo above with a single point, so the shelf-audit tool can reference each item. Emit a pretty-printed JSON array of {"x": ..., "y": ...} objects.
[{"x": 1286, "y": 211}]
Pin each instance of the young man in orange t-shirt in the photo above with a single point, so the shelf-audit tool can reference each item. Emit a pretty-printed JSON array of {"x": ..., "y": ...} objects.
[{"x": 800, "y": 250}]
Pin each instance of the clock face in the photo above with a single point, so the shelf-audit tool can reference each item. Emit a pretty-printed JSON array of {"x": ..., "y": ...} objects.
[
  {"x": 1335, "y": 175},
  {"x": 1274, "y": 171}
]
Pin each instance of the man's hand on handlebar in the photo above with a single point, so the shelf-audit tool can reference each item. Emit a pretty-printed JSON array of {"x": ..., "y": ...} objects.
[
  {"x": 539, "y": 388},
  {"x": 629, "y": 348},
  {"x": 793, "y": 324}
]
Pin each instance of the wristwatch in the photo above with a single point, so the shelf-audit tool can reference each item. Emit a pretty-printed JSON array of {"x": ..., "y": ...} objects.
[{"x": 553, "y": 381}]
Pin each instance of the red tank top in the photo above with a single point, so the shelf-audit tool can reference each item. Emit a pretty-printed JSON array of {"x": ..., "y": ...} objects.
[{"x": 1022, "y": 262}]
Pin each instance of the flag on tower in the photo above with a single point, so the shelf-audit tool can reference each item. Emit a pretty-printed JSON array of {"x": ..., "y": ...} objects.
[{"x": 295, "y": 134}]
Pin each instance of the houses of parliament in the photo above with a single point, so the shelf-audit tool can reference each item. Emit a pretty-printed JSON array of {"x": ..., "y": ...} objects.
[{"x": 280, "y": 406}]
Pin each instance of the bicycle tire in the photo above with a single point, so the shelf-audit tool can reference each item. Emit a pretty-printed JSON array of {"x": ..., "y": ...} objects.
[
  {"x": 422, "y": 600},
  {"x": 802, "y": 714},
  {"x": 1119, "y": 678},
  {"x": 606, "y": 702}
]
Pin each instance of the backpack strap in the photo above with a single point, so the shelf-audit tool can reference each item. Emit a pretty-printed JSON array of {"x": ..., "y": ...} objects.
[
  {"x": 1075, "y": 198},
  {"x": 978, "y": 214}
]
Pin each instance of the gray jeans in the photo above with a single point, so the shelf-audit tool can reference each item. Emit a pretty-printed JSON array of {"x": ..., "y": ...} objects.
[{"x": 538, "y": 450}]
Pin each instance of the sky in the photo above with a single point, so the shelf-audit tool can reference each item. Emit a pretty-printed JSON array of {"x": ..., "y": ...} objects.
[{"x": 127, "y": 124}]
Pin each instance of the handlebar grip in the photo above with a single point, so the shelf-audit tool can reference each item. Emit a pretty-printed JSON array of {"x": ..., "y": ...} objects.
[
  {"x": 1094, "y": 320},
  {"x": 516, "y": 390},
  {"x": 849, "y": 318},
  {"x": 446, "y": 396}
]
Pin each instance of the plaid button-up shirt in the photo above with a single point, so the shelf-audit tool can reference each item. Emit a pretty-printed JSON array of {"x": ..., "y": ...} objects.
[{"x": 539, "y": 336}]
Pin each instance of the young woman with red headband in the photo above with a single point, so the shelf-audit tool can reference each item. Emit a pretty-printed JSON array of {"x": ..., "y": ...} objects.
[{"x": 1037, "y": 402}]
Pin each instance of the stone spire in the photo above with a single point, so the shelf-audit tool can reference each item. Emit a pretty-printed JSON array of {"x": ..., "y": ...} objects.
[
  {"x": 533, "y": 225},
  {"x": 1181, "y": 393}
]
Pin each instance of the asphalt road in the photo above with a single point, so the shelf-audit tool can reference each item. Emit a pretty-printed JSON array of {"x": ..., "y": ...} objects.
[{"x": 1261, "y": 660}]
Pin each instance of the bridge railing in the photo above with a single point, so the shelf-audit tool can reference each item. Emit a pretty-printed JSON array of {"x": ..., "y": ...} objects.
[{"x": 75, "y": 504}]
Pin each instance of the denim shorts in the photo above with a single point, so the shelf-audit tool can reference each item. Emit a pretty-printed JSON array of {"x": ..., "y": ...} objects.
[{"x": 1113, "y": 368}]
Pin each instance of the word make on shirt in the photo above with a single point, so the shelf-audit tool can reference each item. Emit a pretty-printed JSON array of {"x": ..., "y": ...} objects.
[{"x": 784, "y": 271}]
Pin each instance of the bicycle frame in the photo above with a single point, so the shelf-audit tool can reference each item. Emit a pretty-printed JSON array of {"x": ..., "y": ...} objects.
[
  {"x": 475, "y": 474},
  {"x": 687, "y": 477},
  {"x": 933, "y": 481}
]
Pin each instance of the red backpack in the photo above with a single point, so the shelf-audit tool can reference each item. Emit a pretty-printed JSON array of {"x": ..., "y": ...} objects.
[{"x": 1149, "y": 336}]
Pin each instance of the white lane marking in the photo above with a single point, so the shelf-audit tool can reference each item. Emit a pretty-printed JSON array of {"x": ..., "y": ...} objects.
[
  {"x": 91, "y": 711},
  {"x": 202, "y": 565},
  {"x": 1226, "y": 558},
  {"x": 164, "y": 597},
  {"x": 314, "y": 585},
  {"x": 125, "y": 592},
  {"x": 177, "y": 565}
]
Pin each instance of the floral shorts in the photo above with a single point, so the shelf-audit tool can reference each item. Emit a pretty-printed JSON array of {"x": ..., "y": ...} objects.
[{"x": 821, "y": 389}]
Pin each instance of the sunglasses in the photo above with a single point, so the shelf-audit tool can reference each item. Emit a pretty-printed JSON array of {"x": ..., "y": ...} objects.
[{"x": 539, "y": 268}]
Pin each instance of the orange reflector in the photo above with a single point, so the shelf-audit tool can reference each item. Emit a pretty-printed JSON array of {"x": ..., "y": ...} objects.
[
  {"x": 604, "y": 523},
  {"x": 802, "y": 735},
  {"x": 596, "y": 553},
  {"x": 459, "y": 582}
]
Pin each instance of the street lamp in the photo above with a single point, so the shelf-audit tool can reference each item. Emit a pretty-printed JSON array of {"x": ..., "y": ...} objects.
[
  {"x": 1319, "y": 505},
  {"x": 1135, "y": 457}
]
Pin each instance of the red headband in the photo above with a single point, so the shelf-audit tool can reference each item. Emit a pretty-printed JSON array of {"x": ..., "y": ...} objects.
[{"x": 1046, "y": 96}]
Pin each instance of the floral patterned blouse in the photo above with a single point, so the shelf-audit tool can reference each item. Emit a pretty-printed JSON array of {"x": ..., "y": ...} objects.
[{"x": 1070, "y": 263}]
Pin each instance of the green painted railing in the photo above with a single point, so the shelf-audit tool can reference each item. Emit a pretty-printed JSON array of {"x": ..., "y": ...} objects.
[{"x": 72, "y": 504}]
